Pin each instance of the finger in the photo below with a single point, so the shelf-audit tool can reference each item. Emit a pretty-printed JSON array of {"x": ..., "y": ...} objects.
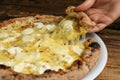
[
  {"x": 98, "y": 27},
  {"x": 92, "y": 11},
  {"x": 93, "y": 23},
  {"x": 114, "y": 12},
  {"x": 101, "y": 22},
  {"x": 85, "y": 5},
  {"x": 95, "y": 17},
  {"x": 105, "y": 19},
  {"x": 101, "y": 18}
]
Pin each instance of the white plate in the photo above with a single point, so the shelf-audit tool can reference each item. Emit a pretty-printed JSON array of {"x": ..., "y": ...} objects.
[{"x": 102, "y": 60}]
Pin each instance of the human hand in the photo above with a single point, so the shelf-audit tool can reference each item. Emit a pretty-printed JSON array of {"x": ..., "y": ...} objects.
[{"x": 101, "y": 12}]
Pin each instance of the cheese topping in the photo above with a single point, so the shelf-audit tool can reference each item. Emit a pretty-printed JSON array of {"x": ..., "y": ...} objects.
[
  {"x": 50, "y": 27},
  {"x": 77, "y": 50},
  {"x": 42, "y": 47},
  {"x": 3, "y": 35},
  {"x": 39, "y": 25},
  {"x": 28, "y": 38},
  {"x": 9, "y": 39},
  {"x": 28, "y": 31},
  {"x": 14, "y": 50}
]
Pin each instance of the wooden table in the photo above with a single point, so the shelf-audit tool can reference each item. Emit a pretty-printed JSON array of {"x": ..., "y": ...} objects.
[{"x": 111, "y": 36}]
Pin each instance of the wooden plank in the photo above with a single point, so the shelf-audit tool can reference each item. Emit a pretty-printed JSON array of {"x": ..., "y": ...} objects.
[{"x": 112, "y": 41}]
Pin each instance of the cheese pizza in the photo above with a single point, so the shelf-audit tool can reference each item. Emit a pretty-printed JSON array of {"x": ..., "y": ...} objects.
[{"x": 47, "y": 47}]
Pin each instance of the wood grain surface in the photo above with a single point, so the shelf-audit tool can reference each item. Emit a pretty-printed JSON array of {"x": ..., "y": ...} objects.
[{"x": 111, "y": 35}]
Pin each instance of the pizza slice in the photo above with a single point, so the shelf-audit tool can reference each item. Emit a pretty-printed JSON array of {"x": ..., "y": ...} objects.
[{"x": 47, "y": 47}]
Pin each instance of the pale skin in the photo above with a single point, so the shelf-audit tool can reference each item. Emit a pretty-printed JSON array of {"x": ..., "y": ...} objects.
[{"x": 101, "y": 12}]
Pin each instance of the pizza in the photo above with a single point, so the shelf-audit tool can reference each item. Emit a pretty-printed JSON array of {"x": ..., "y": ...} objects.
[{"x": 46, "y": 47}]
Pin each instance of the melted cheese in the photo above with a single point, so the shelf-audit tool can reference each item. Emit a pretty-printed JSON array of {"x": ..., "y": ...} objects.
[
  {"x": 39, "y": 25},
  {"x": 77, "y": 50},
  {"x": 3, "y": 35},
  {"x": 9, "y": 39},
  {"x": 50, "y": 27},
  {"x": 14, "y": 50},
  {"x": 28, "y": 38},
  {"x": 28, "y": 31},
  {"x": 45, "y": 46}
]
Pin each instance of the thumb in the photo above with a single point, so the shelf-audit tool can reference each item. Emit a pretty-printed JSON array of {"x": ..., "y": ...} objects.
[{"x": 85, "y": 5}]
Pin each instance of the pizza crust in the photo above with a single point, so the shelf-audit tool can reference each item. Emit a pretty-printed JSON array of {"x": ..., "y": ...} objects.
[
  {"x": 26, "y": 20},
  {"x": 72, "y": 74},
  {"x": 83, "y": 18},
  {"x": 76, "y": 72}
]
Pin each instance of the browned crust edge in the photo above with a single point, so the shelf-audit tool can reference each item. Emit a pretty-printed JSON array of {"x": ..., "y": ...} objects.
[
  {"x": 74, "y": 73},
  {"x": 25, "y": 20}
]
